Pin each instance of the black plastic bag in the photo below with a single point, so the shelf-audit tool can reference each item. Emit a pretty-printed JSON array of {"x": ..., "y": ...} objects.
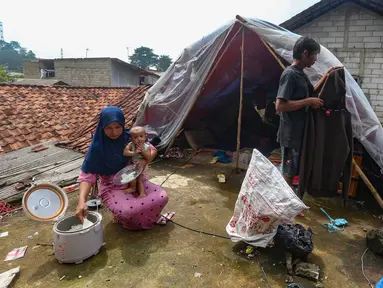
[{"x": 294, "y": 238}]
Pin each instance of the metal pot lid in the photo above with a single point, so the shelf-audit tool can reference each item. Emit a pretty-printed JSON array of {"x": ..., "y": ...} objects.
[{"x": 45, "y": 202}]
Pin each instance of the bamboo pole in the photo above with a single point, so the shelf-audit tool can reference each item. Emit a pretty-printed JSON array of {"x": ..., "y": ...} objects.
[
  {"x": 368, "y": 184},
  {"x": 240, "y": 100}
]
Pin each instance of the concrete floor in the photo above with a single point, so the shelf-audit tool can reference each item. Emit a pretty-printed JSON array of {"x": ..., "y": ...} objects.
[{"x": 169, "y": 256}]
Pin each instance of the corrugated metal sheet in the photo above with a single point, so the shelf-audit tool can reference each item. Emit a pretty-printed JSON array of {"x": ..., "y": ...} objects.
[{"x": 55, "y": 165}]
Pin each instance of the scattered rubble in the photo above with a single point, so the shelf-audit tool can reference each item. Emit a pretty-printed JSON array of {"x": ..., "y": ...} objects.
[
  {"x": 308, "y": 270},
  {"x": 375, "y": 241}
]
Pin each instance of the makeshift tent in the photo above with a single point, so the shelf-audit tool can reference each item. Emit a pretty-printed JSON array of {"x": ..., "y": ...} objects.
[{"x": 210, "y": 69}]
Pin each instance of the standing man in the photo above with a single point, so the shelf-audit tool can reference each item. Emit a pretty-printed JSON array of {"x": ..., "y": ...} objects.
[{"x": 293, "y": 98}]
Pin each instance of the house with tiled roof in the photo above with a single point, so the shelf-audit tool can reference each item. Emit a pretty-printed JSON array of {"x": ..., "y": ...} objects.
[
  {"x": 30, "y": 115},
  {"x": 353, "y": 31},
  {"x": 99, "y": 72}
]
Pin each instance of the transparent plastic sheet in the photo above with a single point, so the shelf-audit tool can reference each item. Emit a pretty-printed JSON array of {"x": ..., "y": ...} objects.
[{"x": 169, "y": 101}]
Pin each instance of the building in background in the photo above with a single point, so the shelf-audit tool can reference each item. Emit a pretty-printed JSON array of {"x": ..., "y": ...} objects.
[
  {"x": 353, "y": 32},
  {"x": 1, "y": 31},
  {"x": 100, "y": 72}
]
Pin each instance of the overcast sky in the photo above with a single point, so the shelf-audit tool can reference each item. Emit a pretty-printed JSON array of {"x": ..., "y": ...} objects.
[{"x": 108, "y": 27}]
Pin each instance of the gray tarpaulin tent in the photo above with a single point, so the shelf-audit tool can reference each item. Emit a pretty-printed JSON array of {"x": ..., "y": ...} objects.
[{"x": 243, "y": 50}]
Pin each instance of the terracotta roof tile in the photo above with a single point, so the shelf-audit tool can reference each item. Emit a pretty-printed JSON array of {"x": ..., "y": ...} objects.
[
  {"x": 33, "y": 114},
  {"x": 80, "y": 140}
]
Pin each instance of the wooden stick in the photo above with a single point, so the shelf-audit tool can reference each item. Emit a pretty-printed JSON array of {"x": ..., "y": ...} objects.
[
  {"x": 368, "y": 184},
  {"x": 240, "y": 100}
]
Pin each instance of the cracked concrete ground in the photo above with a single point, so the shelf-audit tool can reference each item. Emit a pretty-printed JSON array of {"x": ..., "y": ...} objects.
[{"x": 169, "y": 256}]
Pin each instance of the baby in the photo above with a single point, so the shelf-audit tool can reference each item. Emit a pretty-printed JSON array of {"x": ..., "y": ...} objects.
[{"x": 139, "y": 151}]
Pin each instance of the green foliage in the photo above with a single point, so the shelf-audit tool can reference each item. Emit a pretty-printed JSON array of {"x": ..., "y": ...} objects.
[
  {"x": 145, "y": 58},
  {"x": 163, "y": 63},
  {"x": 4, "y": 76},
  {"x": 12, "y": 55}
]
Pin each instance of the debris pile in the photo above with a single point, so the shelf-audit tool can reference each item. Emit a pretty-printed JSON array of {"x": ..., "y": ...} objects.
[{"x": 375, "y": 241}]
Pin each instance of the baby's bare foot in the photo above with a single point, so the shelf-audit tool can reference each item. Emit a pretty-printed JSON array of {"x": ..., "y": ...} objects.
[
  {"x": 141, "y": 195},
  {"x": 129, "y": 190}
]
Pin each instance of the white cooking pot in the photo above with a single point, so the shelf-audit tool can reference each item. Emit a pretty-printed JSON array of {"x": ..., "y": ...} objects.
[
  {"x": 47, "y": 202},
  {"x": 74, "y": 247}
]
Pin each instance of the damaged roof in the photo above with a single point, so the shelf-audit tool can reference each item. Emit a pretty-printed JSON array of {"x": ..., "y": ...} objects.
[
  {"x": 325, "y": 6},
  {"x": 80, "y": 141},
  {"x": 34, "y": 114}
]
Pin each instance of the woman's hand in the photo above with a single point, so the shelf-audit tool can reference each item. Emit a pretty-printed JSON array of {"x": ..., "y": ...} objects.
[{"x": 81, "y": 211}]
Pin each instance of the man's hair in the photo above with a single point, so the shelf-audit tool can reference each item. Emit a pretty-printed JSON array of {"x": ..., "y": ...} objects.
[{"x": 305, "y": 43}]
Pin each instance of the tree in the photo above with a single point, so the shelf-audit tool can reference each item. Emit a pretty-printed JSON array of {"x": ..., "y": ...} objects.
[
  {"x": 30, "y": 55},
  {"x": 12, "y": 55},
  {"x": 163, "y": 63},
  {"x": 4, "y": 77},
  {"x": 144, "y": 58}
]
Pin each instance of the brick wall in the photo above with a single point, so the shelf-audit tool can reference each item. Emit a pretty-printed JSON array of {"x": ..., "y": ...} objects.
[
  {"x": 84, "y": 72},
  {"x": 32, "y": 69},
  {"x": 355, "y": 36}
]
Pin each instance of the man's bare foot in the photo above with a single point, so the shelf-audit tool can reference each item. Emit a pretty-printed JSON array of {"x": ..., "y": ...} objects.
[
  {"x": 129, "y": 190},
  {"x": 301, "y": 214}
]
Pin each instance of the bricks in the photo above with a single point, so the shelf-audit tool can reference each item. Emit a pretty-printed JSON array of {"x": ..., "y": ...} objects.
[
  {"x": 377, "y": 33},
  {"x": 355, "y": 39},
  {"x": 327, "y": 40},
  {"x": 358, "y": 28},
  {"x": 371, "y": 85},
  {"x": 373, "y": 28},
  {"x": 338, "y": 23},
  {"x": 377, "y": 103},
  {"x": 367, "y": 16},
  {"x": 352, "y": 60},
  {"x": 373, "y": 45},
  {"x": 378, "y": 60},
  {"x": 373, "y": 66},
  {"x": 330, "y": 29},
  {"x": 371, "y": 39},
  {"x": 377, "y": 80},
  {"x": 364, "y": 22},
  {"x": 334, "y": 45},
  {"x": 355, "y": 45},
  {"x": 324, "y": 23},
  {"x": 336, "y": 34},
  {"x": 364, "y": 34},
  {"x": 337, "y": 17}
]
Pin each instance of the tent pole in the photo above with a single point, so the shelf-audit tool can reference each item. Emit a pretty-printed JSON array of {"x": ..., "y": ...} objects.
[{"x": 240, "y": 101}]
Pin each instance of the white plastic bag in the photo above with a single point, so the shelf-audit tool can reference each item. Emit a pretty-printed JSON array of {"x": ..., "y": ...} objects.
[{"x": 264, "y": 202}]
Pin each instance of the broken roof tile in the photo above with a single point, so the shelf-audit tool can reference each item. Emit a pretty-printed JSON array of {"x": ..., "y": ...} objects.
[{"x": 33, "y": 114}]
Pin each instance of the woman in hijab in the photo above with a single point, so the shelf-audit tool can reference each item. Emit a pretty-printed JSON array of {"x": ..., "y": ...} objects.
[{"x": 104, "y": 159}]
